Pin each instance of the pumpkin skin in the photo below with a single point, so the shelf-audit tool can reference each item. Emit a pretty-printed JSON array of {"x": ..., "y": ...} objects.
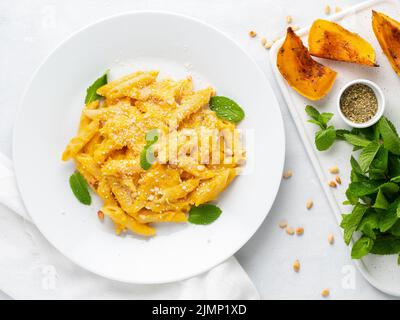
[
  {"x": 305, "y": 75},
  {"x": 329, "y": 40},
  {"x": 387, "y": 31}
]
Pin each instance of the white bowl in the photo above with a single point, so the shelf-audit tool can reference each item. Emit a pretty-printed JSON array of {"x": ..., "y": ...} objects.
[
  {"x": 379, "y": 96},
  {"x": 49, "y": 115}
]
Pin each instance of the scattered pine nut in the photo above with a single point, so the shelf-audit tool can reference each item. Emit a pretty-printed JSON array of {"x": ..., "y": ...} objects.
[
  {"x": 287, "y": 174},
  {"x": 268, "y": 45},
  {"x": 252, "y": 33},
  {"x": 325, "y": 293},
  {"x": 334, "y": 170},
  {"x": 338, "y": 180},
  {"x": 299, "y": 231},
  {"x": 331, "y": 239},
  {"x": 289, "y": 231},
  {"x": 332, "y": 184},
  {"x": 289, "y": 19},
  {"x": 338, "y": 9},
  {"x": 263, "y": 41},
  {"x": 309, "y": 204},
  {"x": 296, "y": 266},
  {"x": 327, "y": 10},
  {"x": 295, "y": 28},
  {"x": 100, "y": 215},
  {"x": 283, "y": 224}
]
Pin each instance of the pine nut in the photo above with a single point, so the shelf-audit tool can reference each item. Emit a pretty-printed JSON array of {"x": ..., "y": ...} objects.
[
  {"x": 327, "y": 10},
  {"x": 332, "y": 184},
  {"x": 268, "y": 45},
  {"x": 309, "y": 204},
  {"x": 263, "y": 42},
  {"x": 296, "y": 266},
  {"x": 299, "y": 231},
  {"x": 287, "y": 174},
  {"x": 338, "y": 180},
  {"x": 334, "y": 170},
  {"x": 325, "y": 293},
  {"x": 289, "y": 19},
  {"x": 331, "y": 238},
  {"x": 289, "y": 231},
  {"x": 338, "y": 9},
  {"x": 252, "y": 33},
  {"x": 100, "y": 215},
  {"x": 283, "y": 224}
]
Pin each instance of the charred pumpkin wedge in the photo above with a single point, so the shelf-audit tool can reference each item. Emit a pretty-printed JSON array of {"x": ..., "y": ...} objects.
[
  {"x": 329, "y": 40},
  {"x": 308, "y": 77},
  {"x": 387, "y": 31}
]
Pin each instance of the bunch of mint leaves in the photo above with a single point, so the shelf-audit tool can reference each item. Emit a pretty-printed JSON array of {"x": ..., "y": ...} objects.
[{"x": 374, "y": 189}]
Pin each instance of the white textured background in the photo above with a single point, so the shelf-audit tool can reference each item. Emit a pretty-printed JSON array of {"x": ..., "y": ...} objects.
[{"x": 30, "y": 29}]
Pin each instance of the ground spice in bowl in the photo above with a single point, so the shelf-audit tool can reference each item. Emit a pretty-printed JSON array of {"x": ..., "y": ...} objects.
[{"x": 358, "y": 103}]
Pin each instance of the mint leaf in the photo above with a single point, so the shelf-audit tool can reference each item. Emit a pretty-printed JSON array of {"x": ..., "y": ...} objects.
[
  {"x": 226, "y": 109},
  {"x": 152, "y": 136},
  {"x": 312, "y": 112},
  {"x": 325, "y": 138},
  {"x": 368, "y": 154},
  {"x": 91, "y": 94},
  {"x": 391, "y": 140},
  {"x": 364, "y": 188},
  {"x": 351, "y": 221},
  {"x": 340, "y": 133},
  {"x": 395, "y": 229},
  {"x": 361, "y": 247},
  {"x": 386, "y": 244},
  {"x": 80, "y": 188},
  {"x": 356, "y": 140},
  {"x": 389, "y": 217},
  {"x": 369, "y": 223},
  {"x": 381, "y": 202},
  {"x": 204, "y": 214}
]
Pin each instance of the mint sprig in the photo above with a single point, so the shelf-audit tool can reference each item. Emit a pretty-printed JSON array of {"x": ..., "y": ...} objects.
[
  {"x": 204, "y": 214},
  {"x": 226, "y": 109},
  {"x": 80, "y": 188},
  {"x": 147, "y": 155},
  {"x": 91, "y": 92}
]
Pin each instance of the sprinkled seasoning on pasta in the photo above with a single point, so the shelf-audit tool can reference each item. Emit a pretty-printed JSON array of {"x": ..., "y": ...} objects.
[{"x": 196, "y": 155}]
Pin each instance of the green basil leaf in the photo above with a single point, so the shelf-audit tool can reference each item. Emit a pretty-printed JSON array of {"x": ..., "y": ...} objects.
[
  {"x": 226, "y": 109},
  {"x": 317, "y": 123},
  {"x": 80, "y": 188},
  {"x": 361, "y": 247},
  {"x": 368, "y": 154},
  {"x": 204, "y": 214},
  {"x": 391, "y": 140},
  {"x": 356, "y": 140},
  {"x": 325, "y": 138},
  {"x": 91, "y": 94}
]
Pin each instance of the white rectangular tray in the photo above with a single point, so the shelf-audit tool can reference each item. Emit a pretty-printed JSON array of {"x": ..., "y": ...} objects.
[{"x": 381, "y": 271}]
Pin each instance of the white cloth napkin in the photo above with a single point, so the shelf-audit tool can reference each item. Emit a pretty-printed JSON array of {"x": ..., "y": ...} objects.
[{"x": 30, "y": 268}]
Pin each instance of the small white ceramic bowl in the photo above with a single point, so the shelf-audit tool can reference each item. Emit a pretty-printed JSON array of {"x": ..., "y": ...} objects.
[{"x": 379, "y": 96}]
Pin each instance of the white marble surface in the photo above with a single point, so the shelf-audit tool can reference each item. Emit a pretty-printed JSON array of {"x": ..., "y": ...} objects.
[{"x": 29, "y": 29}]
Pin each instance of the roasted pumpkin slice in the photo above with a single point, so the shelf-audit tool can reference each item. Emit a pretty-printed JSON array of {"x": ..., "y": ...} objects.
[
  {"x": 308, "y": 77},
  {"x": 329, "y": 40},
  {"x": 387, "y": 31}
]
